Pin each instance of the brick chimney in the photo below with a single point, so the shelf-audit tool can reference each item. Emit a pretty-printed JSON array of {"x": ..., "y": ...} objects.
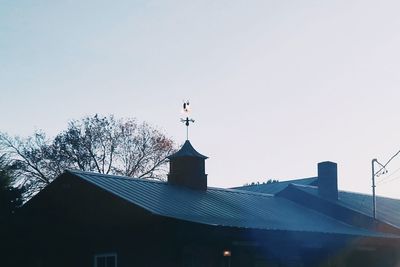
[
  {"x": 327, "y": 180},
  {"x": 187, "y": 168}
]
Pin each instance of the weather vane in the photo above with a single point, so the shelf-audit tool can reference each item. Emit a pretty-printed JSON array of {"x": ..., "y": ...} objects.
[{"x": 186, "y": 111}]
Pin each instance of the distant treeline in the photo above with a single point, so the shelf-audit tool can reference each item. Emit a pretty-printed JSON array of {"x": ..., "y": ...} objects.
[{"x": 269, "y": 181}]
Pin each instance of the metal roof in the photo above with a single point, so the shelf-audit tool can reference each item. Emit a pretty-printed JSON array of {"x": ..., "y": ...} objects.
[
  {"x": 187, "y": 150},
  {"x": 273, "y": 188},
  {"x": 221, "y": 207},
  {"x": 388, "y": 209}
]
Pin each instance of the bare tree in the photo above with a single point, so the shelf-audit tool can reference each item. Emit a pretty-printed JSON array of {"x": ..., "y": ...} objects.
[
  {"x": 31, "y": 158},
  {"x": 143, "y": 156},
  {"x": 88, "y": 144},
  {"x": 10, "y": 196},
  {"x": 95, "y": 143}
]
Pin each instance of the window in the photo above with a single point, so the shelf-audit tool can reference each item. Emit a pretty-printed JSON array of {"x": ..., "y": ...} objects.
[{"x": 105, "y": 260}]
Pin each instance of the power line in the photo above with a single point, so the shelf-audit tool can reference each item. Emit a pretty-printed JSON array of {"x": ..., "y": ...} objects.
[
  {"x": 384, "y": 170},
  {"x": 384, "y": 179},
  {"x": 391, "y": 180},
  {"x": 384, "y": 166}
]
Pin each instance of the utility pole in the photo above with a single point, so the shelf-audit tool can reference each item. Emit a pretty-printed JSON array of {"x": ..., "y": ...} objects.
[
  {"x": 382, "y": 170},
  {"x": 373, "y": 188}
]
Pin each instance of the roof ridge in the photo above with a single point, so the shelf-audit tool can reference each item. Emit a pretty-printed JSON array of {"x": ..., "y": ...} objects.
[
  {"x": 111, "y": 176},
  {"x": 114, "y": 176},
  {"x": 304, "y": 185},
  {"x": 347, "y": 191},
  {"x": 279, "y": 182},
  {"x": 369, "y": 195},
  {"x": 239, "y": 191}
]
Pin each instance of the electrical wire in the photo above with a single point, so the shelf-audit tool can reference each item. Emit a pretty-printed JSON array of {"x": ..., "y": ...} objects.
[
  {"x": 387, "y": 177},
  {"x": 391, "y": 180},
  {"x": 384, "y": 166}
]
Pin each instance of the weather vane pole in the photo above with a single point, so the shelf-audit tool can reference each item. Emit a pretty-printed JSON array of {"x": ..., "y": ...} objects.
[{"x": 186, "y": 110}]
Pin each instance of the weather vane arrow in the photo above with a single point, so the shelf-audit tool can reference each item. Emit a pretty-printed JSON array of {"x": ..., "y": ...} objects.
[{"x": 186, "y": 110}]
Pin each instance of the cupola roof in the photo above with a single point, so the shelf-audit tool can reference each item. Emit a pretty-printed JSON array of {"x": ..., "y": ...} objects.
[{"x": 187, "y": 150}]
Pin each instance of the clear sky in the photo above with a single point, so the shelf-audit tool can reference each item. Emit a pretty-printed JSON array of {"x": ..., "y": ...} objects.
[{"x": 275, "y": 86}]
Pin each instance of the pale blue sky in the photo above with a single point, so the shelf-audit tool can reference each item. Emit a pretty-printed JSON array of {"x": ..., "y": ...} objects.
[{"x": 276, "y": 86}]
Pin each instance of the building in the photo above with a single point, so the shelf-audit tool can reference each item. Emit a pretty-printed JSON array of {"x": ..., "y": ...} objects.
[{"x": 91, "y": 219}]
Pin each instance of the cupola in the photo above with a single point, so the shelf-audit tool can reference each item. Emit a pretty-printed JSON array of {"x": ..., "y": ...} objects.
[{"x": 187, "y": 168}]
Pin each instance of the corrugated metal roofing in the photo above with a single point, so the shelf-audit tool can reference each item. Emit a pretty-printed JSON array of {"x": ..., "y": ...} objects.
[
  {"x": 273, "y": 188},
  {"x": 387, "y": 209},
  {"x": 222, "y": 207}
]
